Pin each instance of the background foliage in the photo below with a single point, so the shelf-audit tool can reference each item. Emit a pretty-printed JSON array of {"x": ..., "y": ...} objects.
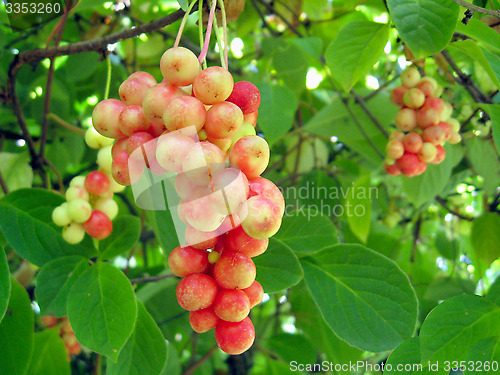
[{"x": 410, "y": 280}]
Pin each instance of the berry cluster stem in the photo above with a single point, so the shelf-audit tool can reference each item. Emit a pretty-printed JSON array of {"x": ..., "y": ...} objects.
[
  {"x": 204, "y": 50},
  {"x": 183, "y": 23}
]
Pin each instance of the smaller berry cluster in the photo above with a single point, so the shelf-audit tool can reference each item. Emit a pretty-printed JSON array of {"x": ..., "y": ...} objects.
[
  {"x": 89, "y": 208},
  {"x": 65, "y": 331},
  {"x": 424, "y": 125}
]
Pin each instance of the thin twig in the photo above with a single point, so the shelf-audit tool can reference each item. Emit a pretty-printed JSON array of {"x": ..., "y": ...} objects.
[
  {"x": 56, "y": 172},
  {"x": 64, "y": 124},
  {"x": 362, "y": 104},
  {"x": 443, "y": 203},
  {"x": 475, "y": 8},
  {"x": 263, "y": 18},
  {"x": 202, "y": 360},
  {"x": 150, "y": 279},
  {"x": 3, "y": 184},
  {"x": 288, "y": 24}
]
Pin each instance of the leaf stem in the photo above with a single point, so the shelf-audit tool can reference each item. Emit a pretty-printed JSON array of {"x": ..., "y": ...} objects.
[
  {"x": 475, "y": 8},
  {"x": 183, "y": 23},
  {"x": 204, "y": 50},
  {"x": 64, "y": 124},
  {"x": 200, "y": 29},
  {"x": 151, "y": 279},
  {"x": 108, "y": 77},
  {"x": 224, "y": 28}
]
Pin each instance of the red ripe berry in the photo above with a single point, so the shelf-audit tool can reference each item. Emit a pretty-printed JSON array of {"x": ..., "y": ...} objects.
[
  {"x": 397, "y": 95},
  {"x": 203, "y": 320},
  {"x": 434, "y": 134},
  {"x": 235, "y": 338},
  {"x": 408, "y": 164},
  {"x": 234, "y": 271},
  {"x": 412, "y": 142},
  {"x": 441, "y": 154},
  {"x": 99, "y": 225},
  {"x": 185, "y": 261},
  {"x": 255, "y": 293},
  {"x": 238, "y": 241},
  {"x": 246, "y": 96},
  {"x": 97, "y": 183},
  {"x": 393, "y": 169},
  {"x": 447, "y": 130},
  {"x": 196, "y": 292},
  {"x": 231, "y": 305}
]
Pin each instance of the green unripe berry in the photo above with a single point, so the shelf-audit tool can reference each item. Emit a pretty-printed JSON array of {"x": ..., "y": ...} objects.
[
  {"x": 60, "y": 215},
  {"x": 79, "y": 210},
  {"x": 73, "y": 233}
]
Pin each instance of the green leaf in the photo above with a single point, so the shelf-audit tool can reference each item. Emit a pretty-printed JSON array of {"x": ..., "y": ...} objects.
[
  {"x": 485, "y": 237},
  {"x": 357, "y": 48},
  {"x": 426, "y": 26},
  {"x": 483, "y": 355},
  {"x": 16, "y": 170},
  {"x": 364, "y": 297},
  {"x": 445, "y": 287},
  {"x": 145, "y": 352},
  {"x": 408, "y": 353},
  {"x": 494, "y": 112},
  {"x": 424, "y": 188},
  {"x": 49, "y": 354},
  {"x": 290, "y": 65},
  {"x": 164, "y": 229},
  {"x": 102, "y": 309},
  {"x": 472, "y": 50},
  {"x": 172, "y": 364},
  {"x": 4, "y": 284},
  {"x": 447, "y": 247},
  {"x": 298, "y": 228},
  {"x": 494, "y": 291},
  {"x": 453, "y": 327},
  {"x": 26, "y": 214},
  {"x": 292, "y": 347},
  {"x": 16, "y": 333},
  {"x": 278, "y": 268},
  {"x": 126, "y": 232},
  {"x": 484, "y": 161},
  {"x": 481, "y": 32},
  {"x": 359, "y": 218},
  {"x": 277, "y": 110},
  {"x": 54, "y": 283}
]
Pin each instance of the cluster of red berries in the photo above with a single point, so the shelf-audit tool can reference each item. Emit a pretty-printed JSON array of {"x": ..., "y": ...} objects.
[
  {"x": 65, "y": 332},
  {"x": 199, "y": 126},
  {"x": 89, "y": 208},
  {"x": 424, "y": 125}
]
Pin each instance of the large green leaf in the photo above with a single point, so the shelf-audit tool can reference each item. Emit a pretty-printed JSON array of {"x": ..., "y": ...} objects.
[
  {"x": 453, "y": 327},
  {"x": 364, "y": 297},
  {"x": 356, "y": 49},
  {"x": 426, "y": 26},
  {"x": 16, "y": 333},
  {"x": 26, "y": 214},
  {"x": 54, "y": 283},
  {"x": 278, "y": 268},
  {"x": 126, "y": 232},
  {"x": 482, "y": 357},
  {"x": 485, "y": 237},
  {"x": 359, "y": 208},
  {"x": 494, "y": 112},
  {"x": 406, "y": 354},
  {"x": 292, "y": 347},
  {"x": 16, "y": 170},
  {"x": 164, "y": 229},
  {"x": 4, "y": 283},
  {"x": 444, "y": 287},
  {"x": 485, "y": 161},
  {"x": 298, "y": 228},
  {"x": 494, "y": 292},
  {"x": 277, "y": 110},
  {"x": 481, "y": 32},
  {"x": 102, "y": 309},
  {"x": 473, "y": 51},
  {"x": 424, "y": 188},
  {"x": 49, "y": 354},
  {"x": 145, "y": 352}
]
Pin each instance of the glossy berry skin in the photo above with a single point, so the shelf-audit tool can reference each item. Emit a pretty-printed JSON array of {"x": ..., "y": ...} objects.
[
  {"x": 440, "y": 155},
  {"x": 79, "y": 210},
  {"x": 179, "y": 66},
  {"x": 203, "y": 320},
  {"x": 410, "y": 77},
  {"x": 408, "y": 164},
  {"x": 251, "y": 155},
  {"x": 255, "y": 293},
  {"x": 263, "y": 186},
  {"x": 97, "y": 183},
  {"x": 213, "y": 85},
  {"x": 397, "y": 95},
  {"x": 414, "y": 98},
  {"x": 235, "y": 338},
  {"x": 246, "y": 96},
  {"x": 395, "y": 149},
  {"x": 412, "y": 142},
  {"x": 223, "y": 120},
  {"x": 73, "y": 233},
  {"x": 263, "y": 219},
  {"x": 234, "y": 271},
  {"x": 392, "y": 169},
  {"x": 156, "y": 100},
  {"x": 238, "y": 241},
  {"x": 185, "y": 261},
  {"x": 184, "y": 111},
  {"x": 98, "y": 226},
  {"x": 200, "y": 240},
  {"x": 231, "y": 305},
  {"x": 132, "y": 119},
  {"x": 196, "y": 292},
  {"x": 406, "y": 119},
  {"x": 105, "y": 118}
]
